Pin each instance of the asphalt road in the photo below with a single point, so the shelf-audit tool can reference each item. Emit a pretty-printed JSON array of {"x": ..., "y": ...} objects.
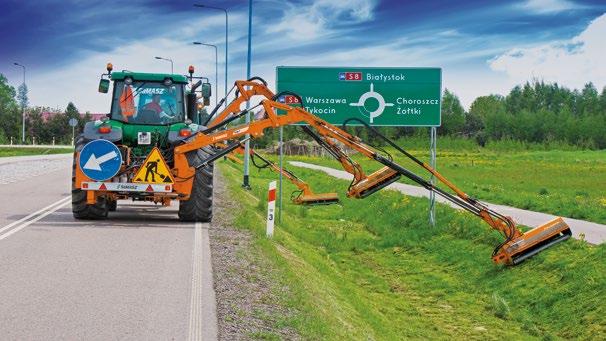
[
  {"x": 591, "y": 232},
  {"x": 140, "y": 275}
]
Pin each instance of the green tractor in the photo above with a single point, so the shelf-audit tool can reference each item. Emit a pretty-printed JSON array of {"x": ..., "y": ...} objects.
[{"x": 150, "y": 115}]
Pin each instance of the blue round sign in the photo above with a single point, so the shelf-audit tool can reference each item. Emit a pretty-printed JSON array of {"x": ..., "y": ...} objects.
[{"x": 100, "y": 160}]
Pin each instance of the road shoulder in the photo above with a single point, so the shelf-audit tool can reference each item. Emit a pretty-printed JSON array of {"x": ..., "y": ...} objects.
[{"x": 249, "y": 298}]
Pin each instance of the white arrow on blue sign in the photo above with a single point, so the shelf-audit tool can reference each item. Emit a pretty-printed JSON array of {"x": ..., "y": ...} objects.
[{"x": 100, "y": 160}]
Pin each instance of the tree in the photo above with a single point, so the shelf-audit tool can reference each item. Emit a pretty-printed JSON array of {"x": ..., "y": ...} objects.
[
  {"x": 22, "y": 96},
  {"x": 35, "y": 124},
  {"x": 10, "y": 115},
  {"x": 589, "y": 102},
  {"x": 453, "y": 115},
  {"x": 473, "y": 124},
  {"x": 71, "y": 111}
]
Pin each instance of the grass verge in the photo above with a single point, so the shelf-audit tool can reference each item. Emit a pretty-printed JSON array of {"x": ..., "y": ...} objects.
[
  {"x": 373, "y": 269},
  {"x": 7, "y": 151},
  {"x": 565, "y": 183}
]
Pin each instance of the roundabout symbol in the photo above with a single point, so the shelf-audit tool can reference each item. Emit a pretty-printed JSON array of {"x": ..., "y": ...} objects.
[{"x": 378, "y": 97}]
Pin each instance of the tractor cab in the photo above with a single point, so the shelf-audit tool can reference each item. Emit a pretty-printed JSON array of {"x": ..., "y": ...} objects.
[
  {"x": 149, "y": 109},
  {"x": 150, "y": 99}
]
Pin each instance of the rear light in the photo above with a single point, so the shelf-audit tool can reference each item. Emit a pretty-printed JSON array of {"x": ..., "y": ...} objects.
[
  {"x": 84, "y": 185},
  {"x": 105, "y": 129},
  {"x": 184, "y": 132}
]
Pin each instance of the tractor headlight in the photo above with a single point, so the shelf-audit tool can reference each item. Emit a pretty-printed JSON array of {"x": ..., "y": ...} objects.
[
  {"x": 168, "y": 82},
  {"x": 128, "y": 80}
]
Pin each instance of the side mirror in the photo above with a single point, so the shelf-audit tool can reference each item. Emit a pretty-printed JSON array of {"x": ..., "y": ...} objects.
[
  {"x": 206, "y": 90},
  {"x": 191, "y": 105},
  {"x": 104, "y": 85}
]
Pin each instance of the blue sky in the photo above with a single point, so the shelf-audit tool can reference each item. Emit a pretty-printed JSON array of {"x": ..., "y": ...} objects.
[{"x": 483, "y": 46}]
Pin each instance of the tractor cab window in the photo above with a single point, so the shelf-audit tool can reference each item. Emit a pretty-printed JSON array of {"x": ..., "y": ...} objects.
[{"x": 148, "y": 103}]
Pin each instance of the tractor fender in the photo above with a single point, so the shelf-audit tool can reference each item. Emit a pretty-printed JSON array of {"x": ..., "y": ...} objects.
[
  {"x": 174, "y": 138},
  {"x": 91, "y": 132}
]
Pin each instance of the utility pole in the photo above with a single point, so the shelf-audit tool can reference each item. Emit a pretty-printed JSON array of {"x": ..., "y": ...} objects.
[
  {"x": 22, "y": 106},
  {"x": 226, "y": 41},
  {"x": 172, "y": 71},
  {"x": 245, "y": 182},
  {"x": 216, "y": 67}
]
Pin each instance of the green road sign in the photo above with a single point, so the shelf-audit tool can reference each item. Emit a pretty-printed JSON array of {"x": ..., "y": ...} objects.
[{"x": 379, "y": 96}]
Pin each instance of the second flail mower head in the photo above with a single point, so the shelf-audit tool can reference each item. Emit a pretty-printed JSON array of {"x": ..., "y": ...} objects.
[{"x": 304, "y": 195}]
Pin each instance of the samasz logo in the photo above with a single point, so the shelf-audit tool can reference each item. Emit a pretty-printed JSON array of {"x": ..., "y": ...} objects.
[
  {"x": 350, "y": 76},
  {"x": 127, "y": 186}
]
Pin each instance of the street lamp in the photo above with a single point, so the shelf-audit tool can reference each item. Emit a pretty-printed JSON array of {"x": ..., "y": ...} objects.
[
  {"x": 216, "y": 66},
  {"x": 226, "y": 41},
  {"x": 22, "y": 106},
  {"x": 245, "y": 182},
  {"x": 171, "y": 63}
]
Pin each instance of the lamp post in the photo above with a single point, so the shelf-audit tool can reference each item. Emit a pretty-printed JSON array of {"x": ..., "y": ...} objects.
[
  {"x": 216, "y": 66},
  {"x": 171, "y": 63},
  {"x": 22, "y": 107},
  {"x": 245, "y": 182},
  {"x": 226, "y": 41}
]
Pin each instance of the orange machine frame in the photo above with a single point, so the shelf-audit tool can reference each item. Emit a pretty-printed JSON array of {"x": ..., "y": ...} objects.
[{"x": 517, "y": 246}]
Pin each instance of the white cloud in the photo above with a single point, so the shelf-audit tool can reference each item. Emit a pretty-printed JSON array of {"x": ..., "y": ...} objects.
[
  {"x": 77, "y": 82},
  {"x": 548, "y": 6},
  {"x": 309, "y": 22},
  {"x": 572, "y": 62}
]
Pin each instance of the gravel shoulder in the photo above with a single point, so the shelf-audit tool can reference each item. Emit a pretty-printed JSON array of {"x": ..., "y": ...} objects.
[{"x": 250, "y": 298}]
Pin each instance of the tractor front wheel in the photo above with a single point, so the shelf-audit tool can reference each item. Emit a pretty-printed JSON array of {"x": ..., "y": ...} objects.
[{"x": 199, "y": 207}]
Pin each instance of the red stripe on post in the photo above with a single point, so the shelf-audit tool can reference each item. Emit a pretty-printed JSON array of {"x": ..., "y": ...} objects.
[{"x": 271, "y": 195}]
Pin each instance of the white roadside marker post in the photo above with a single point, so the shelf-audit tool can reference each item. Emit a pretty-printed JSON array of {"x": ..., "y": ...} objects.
[{"x": 271, "y": 209}]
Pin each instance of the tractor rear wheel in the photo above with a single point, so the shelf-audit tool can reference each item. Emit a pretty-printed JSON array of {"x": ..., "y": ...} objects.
[
  {"x": 80, "y": 209},
  {"x": 112, "y": 205},
  {"x": 199, "y": 207}
]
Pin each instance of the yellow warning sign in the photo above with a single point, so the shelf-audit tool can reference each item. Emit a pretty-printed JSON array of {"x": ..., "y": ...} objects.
[{"x": 154, "y": 170}]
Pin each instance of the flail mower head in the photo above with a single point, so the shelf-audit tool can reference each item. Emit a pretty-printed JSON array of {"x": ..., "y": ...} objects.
[
  {"x": 316, "y": 199},
  {"x": 528, "y": 244}
]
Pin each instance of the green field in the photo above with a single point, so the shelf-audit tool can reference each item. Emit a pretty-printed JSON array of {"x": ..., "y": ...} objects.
[
  {"x": 373, "y": 269},
  {"x": 8, "y": 151},
  {"x": 569, "y": 183}
]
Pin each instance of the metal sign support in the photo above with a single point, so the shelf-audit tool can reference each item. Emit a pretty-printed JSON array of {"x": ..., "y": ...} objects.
[
  {"x": 432, "y": 196},
  {"x": 281, "y": 170}
]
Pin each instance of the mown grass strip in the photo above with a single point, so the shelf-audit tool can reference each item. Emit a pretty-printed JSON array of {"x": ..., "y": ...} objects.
[
  {"x": 374, "y": 269},
  {"x": 565, "y": 183}
]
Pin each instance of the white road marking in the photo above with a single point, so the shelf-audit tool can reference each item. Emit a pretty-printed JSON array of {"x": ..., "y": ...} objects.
[
  {"x": 20, "y": 224},
  {"x": 203, "y": 308}
]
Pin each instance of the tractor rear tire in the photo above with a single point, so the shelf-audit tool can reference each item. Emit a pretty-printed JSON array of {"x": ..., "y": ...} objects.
[
  {"x": 112, "y": 205},
  {"x": 80, "y": 209},
  {"x": 199, "y": 207}
]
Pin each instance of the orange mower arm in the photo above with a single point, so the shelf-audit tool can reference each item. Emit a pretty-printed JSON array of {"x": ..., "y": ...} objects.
[{"x": 517, "y": 246}]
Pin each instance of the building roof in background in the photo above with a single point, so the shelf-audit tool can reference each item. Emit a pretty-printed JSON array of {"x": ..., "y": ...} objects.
[{"x": 46, "y": 115}]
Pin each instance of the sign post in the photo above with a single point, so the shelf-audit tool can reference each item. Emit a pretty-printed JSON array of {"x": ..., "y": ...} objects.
[
  {"x": 432, "y": 162},
  {"x": 271, "y": 209},
  {"x": 394, "y": 97},
  {"x": 73, "y": 123}
]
